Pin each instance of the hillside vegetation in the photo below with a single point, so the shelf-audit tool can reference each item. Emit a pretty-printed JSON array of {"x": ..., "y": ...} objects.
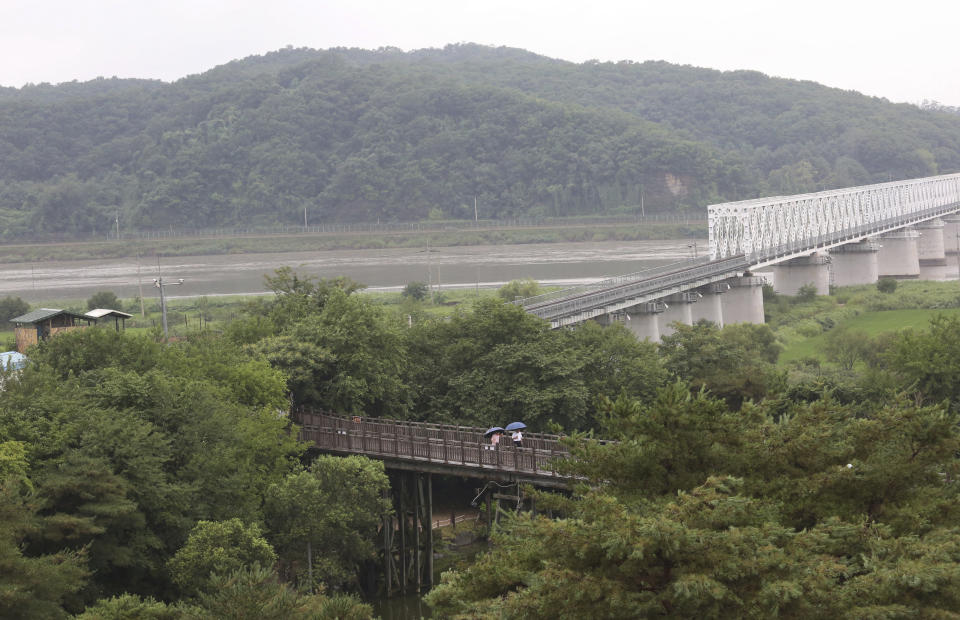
[{"x": 354, "y": 135}]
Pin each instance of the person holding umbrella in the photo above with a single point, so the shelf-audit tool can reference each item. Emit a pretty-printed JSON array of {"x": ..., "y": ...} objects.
[
  {"x": 494, "y": 434},
  {"x": 516, "y": 428}
]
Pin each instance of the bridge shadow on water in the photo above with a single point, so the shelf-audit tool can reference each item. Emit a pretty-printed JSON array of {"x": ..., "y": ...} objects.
[{"x": 407, "y": 607}]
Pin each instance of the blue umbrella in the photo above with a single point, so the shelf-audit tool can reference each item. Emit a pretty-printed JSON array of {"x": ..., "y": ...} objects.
[
  {"x": 491, "y": 431},
  {"x": 516, "y": 426}
]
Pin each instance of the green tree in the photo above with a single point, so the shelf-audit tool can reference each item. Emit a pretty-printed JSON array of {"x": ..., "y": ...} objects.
[
  {"x": 888, "y": 463},
  {"x": 614, "y": 361},
  {"x": 519, "y": 289},
  {"x": 672, "y": 442},
  {"x": 255, "y": 592},
  {"x": 218, "y": 547},
  {"x": 33, "y": 585},
  {"x": 677, "y": 559},
  {"x": 299, "y": 297},
  {"x": 129, "y": 450},
  {"x": 838, "y": 512},
  {"x": 328, "y": 515},
  {"x": 128, "y": 606},
  {"x": 927, "y": 361},
  {"x": 11, "y": 307},
  {"x": 103, "y": 299},
  {"x": 734, "y": 363},
  {"x": 416, "y": 291},
  {"x": 494, "y": 362},
  {"x": 346, "y": 358},
  {"x": 845, "y": 347}
]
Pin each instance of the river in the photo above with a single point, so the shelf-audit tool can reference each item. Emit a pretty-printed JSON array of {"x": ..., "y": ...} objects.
[{"x": 488, "y": 266}]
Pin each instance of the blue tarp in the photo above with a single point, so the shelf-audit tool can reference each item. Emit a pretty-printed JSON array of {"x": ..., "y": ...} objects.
[{"x": 13, "y": 360}]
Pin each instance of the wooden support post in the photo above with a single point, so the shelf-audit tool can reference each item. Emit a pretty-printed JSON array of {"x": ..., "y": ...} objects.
[
  {"x": 429, "y": 523},
  {"x": 387, "y": 550},
  {"x": 417, "y": 479},
  {"x": 489, "y": 513},
  {"x": 403, "y": 532}
]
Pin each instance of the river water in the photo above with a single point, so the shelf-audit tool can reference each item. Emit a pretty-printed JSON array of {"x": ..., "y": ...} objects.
[{"x": 561, "y": 264}]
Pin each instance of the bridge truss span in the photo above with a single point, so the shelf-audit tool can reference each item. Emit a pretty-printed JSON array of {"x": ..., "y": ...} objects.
[{"x": 767, "y": 230}]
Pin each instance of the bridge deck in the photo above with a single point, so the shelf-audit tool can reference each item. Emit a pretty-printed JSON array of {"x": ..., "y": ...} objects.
[{"x": 436, "y": 448}]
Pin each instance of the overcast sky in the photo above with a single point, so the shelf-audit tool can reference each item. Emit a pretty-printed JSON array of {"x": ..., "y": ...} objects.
[{"x": 904, "y": 51}]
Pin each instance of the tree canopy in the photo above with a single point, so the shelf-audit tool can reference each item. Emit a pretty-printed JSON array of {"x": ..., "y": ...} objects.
[{"x": 354, "y": 135}]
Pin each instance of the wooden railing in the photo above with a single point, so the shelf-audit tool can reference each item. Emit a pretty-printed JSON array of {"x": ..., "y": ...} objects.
[{"x": 446, "y": 444}]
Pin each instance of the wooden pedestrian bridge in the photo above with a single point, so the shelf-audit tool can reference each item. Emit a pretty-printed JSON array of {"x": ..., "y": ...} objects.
[
  {"x": 412, "y": 452},
  {"x": 436, "y": 448}
]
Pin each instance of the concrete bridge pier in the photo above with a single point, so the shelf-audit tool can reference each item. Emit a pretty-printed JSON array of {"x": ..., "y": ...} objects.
[
  {"x": 710, "y": 306},
  {"x": 951, "y": 233},
  {"x": 743, "y": 302},
  {"x": 790, "y": 275},
  {"x": 899, "y": 255},
  {"x": 679, "y": 308},
  {"x": 855, "y": 263},
  {"x": 930, "y": 250},
  {"x": 644, "y": 320}
]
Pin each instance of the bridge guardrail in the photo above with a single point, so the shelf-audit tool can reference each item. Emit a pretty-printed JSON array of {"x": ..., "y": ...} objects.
[
  {"x": 575, "y": 291},
  {"x": 463, "y": 446},
  {"x": 598, "y": 299}
]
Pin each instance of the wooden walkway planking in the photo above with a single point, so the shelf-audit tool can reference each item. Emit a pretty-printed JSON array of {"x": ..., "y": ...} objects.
[{"x": 437, "y": 448}]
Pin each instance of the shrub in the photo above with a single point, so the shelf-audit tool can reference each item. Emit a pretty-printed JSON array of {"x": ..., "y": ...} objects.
[
  {"x": 415, "y": 290},
  {"x": 519, "y": 289},
  {"x": 103, "y": 299},
  {"x": 769, "y": 294},
  {"x": 807, "y": 292},
  {"x": 886, "y": 285}
]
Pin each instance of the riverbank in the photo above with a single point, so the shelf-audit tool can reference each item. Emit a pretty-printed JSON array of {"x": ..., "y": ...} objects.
[
  {"x": 442, "y": 268},
  {"x": 355, "y": 240}
]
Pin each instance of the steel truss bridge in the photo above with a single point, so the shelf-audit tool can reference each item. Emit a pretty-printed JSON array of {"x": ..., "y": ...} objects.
[{"x": 749, "y": 234}]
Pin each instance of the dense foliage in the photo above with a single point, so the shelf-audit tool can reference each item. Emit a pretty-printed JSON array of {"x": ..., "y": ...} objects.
[
  {"x": 353, "y": 135},
  {"x": 142, "y": 478},
  {"x": 774, "y": 511}
]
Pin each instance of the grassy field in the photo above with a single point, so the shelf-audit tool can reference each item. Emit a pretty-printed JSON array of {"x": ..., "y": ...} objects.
[
  {"x": 803, "y": 327},
  {"x": 871, "y": 324},
  {"x": 188, "y": 315}
]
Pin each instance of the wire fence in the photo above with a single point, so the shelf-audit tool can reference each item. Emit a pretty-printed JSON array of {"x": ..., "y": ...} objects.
[{"x": 439, "y": 226}]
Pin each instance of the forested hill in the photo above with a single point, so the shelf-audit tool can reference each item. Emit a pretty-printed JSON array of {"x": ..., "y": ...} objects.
[{"x": 354, "y": 135}]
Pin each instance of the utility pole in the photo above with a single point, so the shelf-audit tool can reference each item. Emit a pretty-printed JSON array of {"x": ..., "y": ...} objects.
[
  {"x": 159, "y": 283},
  {"x": 429, "y": 274},
  {"x": 476, "y": 218},
  {"x": 304, "y": 219},
  {"x": 143, "y": 310},
  {"x": 117, "y": 220}
]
